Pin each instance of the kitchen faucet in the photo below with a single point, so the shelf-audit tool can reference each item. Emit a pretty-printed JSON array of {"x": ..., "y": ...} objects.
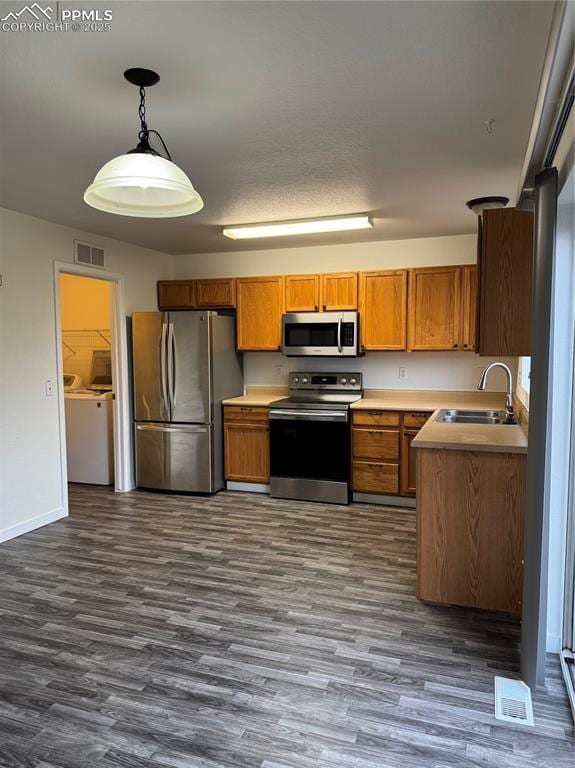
[{"x": 509, "y": 412}]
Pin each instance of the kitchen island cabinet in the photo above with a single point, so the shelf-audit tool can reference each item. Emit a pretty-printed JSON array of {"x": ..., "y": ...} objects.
[{"x": 470, "y": 509}]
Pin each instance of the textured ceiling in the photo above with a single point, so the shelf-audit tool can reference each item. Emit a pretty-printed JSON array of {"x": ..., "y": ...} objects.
[{"x": 279, "y": 110}]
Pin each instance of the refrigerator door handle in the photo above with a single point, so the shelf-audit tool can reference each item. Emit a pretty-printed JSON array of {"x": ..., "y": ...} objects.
[
  {"x": 163, "y": 365},
  {"x": 171, "y": 365},
  {"x": 196, "y": 429}
]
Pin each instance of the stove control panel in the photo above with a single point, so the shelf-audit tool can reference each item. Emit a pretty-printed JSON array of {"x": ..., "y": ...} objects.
[{"x": 345, "y": 382}]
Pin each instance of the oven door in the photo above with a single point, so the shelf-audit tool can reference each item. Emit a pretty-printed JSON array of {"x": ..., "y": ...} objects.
[
  {"x": 310, "y": 455},
  {"x": 323, "y": 334}
]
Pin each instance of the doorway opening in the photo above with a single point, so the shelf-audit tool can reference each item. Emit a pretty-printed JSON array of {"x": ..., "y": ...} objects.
[
  {"x": 86, "y": 347},
  {"x": 94, "y": 398}
]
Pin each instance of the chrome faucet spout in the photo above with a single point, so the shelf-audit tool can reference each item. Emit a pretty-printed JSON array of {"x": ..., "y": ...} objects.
[{"x": 509, "y": 412}]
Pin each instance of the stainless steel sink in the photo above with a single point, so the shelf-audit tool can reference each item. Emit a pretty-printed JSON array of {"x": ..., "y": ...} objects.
[{"x": 455, "y": 416}]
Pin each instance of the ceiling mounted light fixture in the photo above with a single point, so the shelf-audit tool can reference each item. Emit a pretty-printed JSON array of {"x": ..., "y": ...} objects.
[
  {"x": 142, "y": 183},
  {"x": 480, "y": 204},
  {"x": 302, "y": 227}
]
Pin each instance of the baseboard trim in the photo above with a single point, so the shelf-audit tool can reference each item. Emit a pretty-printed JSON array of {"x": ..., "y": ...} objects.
[
  {"x": 553, "y": 644},
  {"x": 249, "y": 487},
  {"x": 30, "y": 525},
  {"x": 383, "y": 500}
]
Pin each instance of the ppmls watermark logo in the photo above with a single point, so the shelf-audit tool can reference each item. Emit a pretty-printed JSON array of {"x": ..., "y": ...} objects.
[{"x": 43, "y": 18}]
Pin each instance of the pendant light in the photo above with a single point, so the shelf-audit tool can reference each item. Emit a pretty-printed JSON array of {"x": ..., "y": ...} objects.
[{"x": 142, "y": 183}]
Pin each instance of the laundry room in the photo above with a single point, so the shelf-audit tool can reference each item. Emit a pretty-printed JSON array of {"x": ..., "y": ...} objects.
[{"x": 86, "y": 339}]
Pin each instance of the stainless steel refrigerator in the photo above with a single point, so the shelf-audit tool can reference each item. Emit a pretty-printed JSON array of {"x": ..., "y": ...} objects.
[{"x": 184, "y": 364}]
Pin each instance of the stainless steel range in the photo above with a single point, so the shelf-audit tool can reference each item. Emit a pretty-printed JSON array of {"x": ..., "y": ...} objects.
[{"x": 310, "y": 437}]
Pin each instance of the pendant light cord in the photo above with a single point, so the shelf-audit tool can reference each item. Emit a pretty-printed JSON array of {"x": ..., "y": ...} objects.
[{"x": 145, "y": 132}]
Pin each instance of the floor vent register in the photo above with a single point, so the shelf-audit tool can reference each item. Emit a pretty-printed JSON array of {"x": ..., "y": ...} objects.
[{"x": 513, "y": 701}]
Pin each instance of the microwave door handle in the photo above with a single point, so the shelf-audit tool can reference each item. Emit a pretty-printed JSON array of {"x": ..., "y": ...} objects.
[
  {"x": 163, "y": 367},
  {"x": 339, "y": 346}
]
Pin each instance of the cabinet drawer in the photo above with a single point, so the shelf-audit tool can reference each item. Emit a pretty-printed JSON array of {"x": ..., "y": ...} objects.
[
  {"x": 378, "y": 444},
  {"x": 375, "y": 477},
  {"x": 246, "y": 413},
  {"x": 376, "y": 418},
  {"x": 414, "y": 420}
]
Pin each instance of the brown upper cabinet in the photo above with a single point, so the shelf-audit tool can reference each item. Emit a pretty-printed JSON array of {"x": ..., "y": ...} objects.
[
  {"x": 213, "y": 293},
  {"x": 260, "y": 302},
  {"x": 176, "y": 294},
  {"x": 468, "y": 307},
  {"x": 383, "y": 308},
  {"x": 435, "y": 308},
  {"x": 302, "y": 293},
  {"x": 505, "y": 256},
  {"x": 339, "y": 291},
  {"x": 216, "y": 292}
]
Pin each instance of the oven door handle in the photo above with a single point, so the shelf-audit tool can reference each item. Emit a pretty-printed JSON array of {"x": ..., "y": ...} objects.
[
  {"x": 339, "y": 344},
  {"x": 308, "y": 415}
]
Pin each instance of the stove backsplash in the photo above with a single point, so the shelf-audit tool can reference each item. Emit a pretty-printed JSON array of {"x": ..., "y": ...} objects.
[{"x": 447, "y": 371}]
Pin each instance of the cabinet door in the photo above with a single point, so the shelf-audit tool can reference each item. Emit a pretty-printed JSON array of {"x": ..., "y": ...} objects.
[
  {"x": 247, "y": 452},
  {"x": 505, "y": 282},
  {"x": 435, "y": 308},
  {"x": 260, "y": 307},
  {"x": 302, "y": 293},
  {"x": 339, "y": 291},
  {"x": 408, "y": 463},
  {"x": 176, "y": 294},
  {"x": 215, "y": 293},
  {"x": 469, "y": 308},
  {"x": 383, "y": 308}
]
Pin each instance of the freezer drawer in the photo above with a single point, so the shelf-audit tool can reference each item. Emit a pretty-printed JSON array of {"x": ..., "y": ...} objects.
[{"x": 175, "y": 457}]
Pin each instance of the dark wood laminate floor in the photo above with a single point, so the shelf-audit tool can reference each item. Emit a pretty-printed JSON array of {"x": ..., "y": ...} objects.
[{"x": 148, "y": 631}]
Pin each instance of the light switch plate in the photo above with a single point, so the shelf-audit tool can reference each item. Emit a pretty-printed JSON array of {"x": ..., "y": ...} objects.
[{"x": 50, "y": 388}]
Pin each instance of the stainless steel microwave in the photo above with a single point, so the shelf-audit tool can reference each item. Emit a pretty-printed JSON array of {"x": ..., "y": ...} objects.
[{"x": 320, "y": 334}]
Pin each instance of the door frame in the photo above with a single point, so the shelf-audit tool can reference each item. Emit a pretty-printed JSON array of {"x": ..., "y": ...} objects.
[{"x": 123, "y": 463}]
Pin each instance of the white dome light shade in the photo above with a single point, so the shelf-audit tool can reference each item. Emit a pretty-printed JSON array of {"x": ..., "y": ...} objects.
[{"x": 143, "y": 185}]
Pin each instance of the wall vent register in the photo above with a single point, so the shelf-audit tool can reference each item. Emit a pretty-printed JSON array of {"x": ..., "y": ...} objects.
[{"x": 89, "y": 255}]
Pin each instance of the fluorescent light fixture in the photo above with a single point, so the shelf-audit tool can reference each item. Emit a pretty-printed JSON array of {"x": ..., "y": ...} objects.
[{"x": 305, "y": 227}]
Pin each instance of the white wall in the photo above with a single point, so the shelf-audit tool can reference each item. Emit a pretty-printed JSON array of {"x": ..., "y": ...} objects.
[
  {"x": 446, "y": 371},
  {"x": 391, "y": 254},
  {"x": 30, "y": 476}
]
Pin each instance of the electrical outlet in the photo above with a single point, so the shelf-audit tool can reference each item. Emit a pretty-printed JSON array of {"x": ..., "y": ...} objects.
[
  {"x": 50, "y": 389},
  {"x": 280, "y": 371},
  {"x": 402, "y": 374}
]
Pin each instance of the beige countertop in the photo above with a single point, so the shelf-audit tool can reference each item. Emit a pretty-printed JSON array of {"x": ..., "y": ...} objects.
[
  {"x": 422, "y": 400},
  {"x": 467, "y": 437},
  {"x": 463, "y": 437},
  {"x": 492, "y": 438},
  {"x": 258, "y": 396}
]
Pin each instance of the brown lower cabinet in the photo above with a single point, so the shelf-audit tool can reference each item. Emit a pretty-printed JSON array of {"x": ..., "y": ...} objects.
[
  {"x": 408, "y": 462},
  {"x": 383, "y": 458},
  {"x": 470, "y": 528},
  {"x": 247, "y": 444}
]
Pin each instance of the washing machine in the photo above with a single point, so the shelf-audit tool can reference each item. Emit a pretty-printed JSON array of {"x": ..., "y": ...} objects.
[{"x": 90, "y": 436}]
